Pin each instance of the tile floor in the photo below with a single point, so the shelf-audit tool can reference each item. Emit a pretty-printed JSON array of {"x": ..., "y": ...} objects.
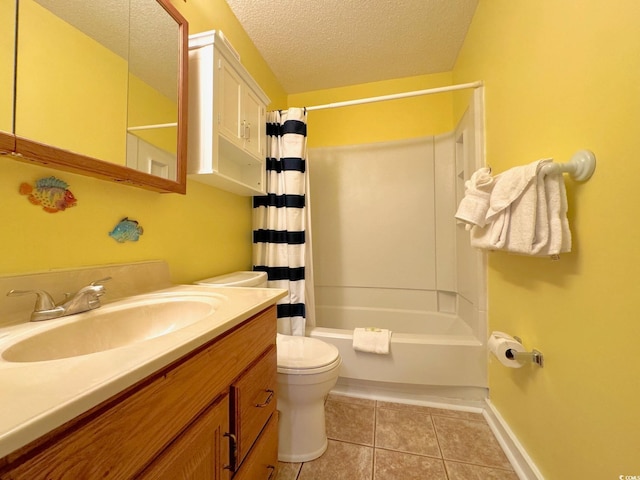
[{"x": 374, "y": 440}]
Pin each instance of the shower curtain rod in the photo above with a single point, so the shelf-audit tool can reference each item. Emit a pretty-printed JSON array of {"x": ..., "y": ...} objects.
[{"x": 429, "y": 91}]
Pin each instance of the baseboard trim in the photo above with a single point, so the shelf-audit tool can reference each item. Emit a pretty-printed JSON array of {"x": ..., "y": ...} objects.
[
  {"x": 520, "y": 460},
  {"x": 456, "y": 398}
]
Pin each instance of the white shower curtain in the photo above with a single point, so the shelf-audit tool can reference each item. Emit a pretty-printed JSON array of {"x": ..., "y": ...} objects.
[{"x": 280, "y": 231}]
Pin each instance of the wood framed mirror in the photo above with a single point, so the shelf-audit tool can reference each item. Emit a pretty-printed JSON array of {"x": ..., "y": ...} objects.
[{"x": 101, "y": 90}]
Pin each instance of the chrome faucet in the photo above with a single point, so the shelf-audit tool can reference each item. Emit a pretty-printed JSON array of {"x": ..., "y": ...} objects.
[{"x": 87, "y": 298}]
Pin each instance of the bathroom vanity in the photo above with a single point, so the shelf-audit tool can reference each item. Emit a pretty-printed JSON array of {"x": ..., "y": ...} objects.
[{"x": 199, "y": 402}]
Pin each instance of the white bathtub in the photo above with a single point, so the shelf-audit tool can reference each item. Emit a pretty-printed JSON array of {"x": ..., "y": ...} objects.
[{"x": 427, "y": 349}]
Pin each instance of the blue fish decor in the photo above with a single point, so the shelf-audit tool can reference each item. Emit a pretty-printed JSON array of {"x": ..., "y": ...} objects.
[{"x": 126, "y": 230}]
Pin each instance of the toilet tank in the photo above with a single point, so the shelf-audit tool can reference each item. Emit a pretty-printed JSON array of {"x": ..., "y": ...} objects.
[{"x": 237, "y": 279}]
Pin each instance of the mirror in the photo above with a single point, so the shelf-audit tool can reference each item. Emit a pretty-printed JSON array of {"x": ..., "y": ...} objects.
[
  {"x": 101, "y": 90},
  {"x": 153, "y": 91},
  {"x": 7, "y": 52}
]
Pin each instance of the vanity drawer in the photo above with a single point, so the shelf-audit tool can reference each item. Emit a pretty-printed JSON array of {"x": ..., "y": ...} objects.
[
  {"x": 262, "y": 461},
  {"x": 254, "y": 401}
]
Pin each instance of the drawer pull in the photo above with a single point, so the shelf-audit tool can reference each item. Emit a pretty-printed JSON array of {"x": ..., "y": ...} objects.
[
  {"x": 267, "y": 401},
  {"x": 272, "y": 472},
  {"x": 233, "y": 450}
]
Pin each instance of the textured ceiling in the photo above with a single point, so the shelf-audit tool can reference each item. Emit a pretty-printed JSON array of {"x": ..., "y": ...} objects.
[{"x": 318, "y": 44}]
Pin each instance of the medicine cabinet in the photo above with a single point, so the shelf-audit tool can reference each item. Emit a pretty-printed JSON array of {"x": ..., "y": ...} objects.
[{"x": 90, "y": 78}]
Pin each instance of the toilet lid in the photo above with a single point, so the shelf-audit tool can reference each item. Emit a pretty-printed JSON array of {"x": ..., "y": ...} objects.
[{"x": 304, "y": 353}]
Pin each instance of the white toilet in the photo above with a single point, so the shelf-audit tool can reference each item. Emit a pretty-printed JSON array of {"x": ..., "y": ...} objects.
[{"x": 307, "y": 370}]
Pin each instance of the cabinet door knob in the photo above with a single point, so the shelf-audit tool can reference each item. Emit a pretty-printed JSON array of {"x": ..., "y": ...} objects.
[
  {"x": 272, "y": 471},
  {"x": 267, "y": 401}
]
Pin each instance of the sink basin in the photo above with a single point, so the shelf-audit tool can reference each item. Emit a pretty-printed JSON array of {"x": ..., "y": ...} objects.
[{"x": 112, "y": 326}]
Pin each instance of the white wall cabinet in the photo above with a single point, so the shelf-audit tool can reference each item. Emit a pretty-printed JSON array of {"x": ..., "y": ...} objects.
[{"x": 227, "y": 119}]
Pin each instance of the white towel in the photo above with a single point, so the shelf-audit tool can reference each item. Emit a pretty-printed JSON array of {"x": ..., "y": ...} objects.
[
  {"x": 559, "y": 234},
  {"x": 477, "y": 192},
  {"x": 511, "y": 217},
  {"x": 372, "y": 340},
  {"x": 527, "y": 213}
]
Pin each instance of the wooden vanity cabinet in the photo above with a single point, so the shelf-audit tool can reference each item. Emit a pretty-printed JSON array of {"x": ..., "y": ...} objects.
[
  {"x": 182, "y": 422},
  {"x": 201, "y": 452}
]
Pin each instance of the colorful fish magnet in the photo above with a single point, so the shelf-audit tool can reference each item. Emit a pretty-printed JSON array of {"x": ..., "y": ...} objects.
[
  {"x": 126, "y": 230},
  {"x": 51, "y": 192}
]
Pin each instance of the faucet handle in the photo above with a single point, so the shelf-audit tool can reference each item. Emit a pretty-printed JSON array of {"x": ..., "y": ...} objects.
[
  {"x": 43, "y": 300},
  {"x": 100, "y": 284}
]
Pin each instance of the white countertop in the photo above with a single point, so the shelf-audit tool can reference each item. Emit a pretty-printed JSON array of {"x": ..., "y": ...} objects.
[{"x": 37, "y": 397}]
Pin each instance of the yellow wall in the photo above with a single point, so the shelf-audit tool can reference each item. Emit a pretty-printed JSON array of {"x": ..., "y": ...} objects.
[
  {"x": 7, "y": 37},
  {"x": 77, "y": 101},
  {"x": 147, "y": 106},
  {"x": 563, "y": 75},
  {"x": 380, "y": 121},
  {"x": 205, "y": 232},
  {"x": 89, "y": 84}
]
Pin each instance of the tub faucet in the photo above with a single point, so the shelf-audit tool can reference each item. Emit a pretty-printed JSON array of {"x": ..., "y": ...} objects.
[{"x": 87, "y": 298}]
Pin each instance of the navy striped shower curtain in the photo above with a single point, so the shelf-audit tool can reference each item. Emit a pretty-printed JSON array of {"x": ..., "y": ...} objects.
[{"x": 280, "y": 233}]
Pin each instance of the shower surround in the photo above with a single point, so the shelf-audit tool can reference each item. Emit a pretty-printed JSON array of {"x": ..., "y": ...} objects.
[{"x": 388, "y": 254}]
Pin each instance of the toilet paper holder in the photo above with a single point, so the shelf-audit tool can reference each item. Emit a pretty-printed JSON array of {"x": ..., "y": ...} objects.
[{"x": 533, "y": 356}]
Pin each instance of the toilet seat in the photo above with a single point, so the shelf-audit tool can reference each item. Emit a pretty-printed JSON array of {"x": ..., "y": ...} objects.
[{"x": 305, "y": 356}]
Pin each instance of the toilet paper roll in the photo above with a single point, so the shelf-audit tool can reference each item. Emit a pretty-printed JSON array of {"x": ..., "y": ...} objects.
[{"x": 500, "y": 343}]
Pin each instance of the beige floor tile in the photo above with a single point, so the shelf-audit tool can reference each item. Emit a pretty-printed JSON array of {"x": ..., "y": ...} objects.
[
  {"x": 341, "y": 461},
  {"x": 288, "y": 471},
  {"x": 406, "y": 431},
  {"x": 469, "y": 441},
  {"x": 390, "y": 465},
  {"x": 350, "y": 422},
  {"x": 465, "y": 471}
]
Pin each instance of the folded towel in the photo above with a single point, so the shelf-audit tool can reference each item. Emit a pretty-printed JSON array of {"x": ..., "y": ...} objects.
[
  {"x": 373, "y": 340},
  {"x": 511, "y": 216},
  {"x": 527, "y": 213},
  {"x": 511, "y": 185},
  {"x": 559, "y": 234},
  {"x": 473, "y": 207},
  {"x": 493, "y": 235}
]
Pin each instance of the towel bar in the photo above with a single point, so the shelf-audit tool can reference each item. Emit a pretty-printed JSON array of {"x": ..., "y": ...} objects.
[{"x": 580, "y": 167}]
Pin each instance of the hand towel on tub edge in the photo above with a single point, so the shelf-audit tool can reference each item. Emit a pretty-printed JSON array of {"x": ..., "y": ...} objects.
[{"x": 372, "y": 340}]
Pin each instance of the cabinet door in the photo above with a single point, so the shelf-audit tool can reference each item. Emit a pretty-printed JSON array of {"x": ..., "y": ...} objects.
[
  {"x": 254, "y": 401},
  {"x": 262, "y": 461},
  {"x": 228, "y": 101},
  {"x": 200, "y": 453},
  {"x": 254, "y": 124}
]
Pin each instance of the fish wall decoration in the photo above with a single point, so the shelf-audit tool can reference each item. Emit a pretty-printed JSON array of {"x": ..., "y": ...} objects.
[
  {"x": 50, "y": 192},
  {"x": 126, "y": 230}
]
